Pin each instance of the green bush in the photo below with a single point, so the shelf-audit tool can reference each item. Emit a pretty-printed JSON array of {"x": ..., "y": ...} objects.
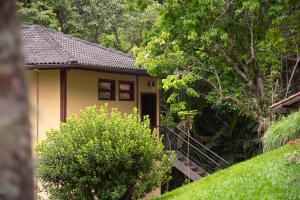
[
  {"x": 102, "y": 155},
  {"x": 281, "y": 131}
]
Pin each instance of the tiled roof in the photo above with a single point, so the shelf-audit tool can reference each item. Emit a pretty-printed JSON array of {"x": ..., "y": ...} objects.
[{"x": 42, "y": 46}]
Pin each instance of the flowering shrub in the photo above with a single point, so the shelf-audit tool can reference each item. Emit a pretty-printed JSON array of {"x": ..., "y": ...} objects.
[
  {"x": 102, "y": 155},
  {"x": 292, "y": 142}
]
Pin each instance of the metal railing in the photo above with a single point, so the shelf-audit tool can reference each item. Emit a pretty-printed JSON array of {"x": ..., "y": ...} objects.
[{"x": 176, "y": 139}]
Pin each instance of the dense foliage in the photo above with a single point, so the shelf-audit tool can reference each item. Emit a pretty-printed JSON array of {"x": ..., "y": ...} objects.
[
  {"x": 112, "y": 23},
  {"x": 238, "y": 47},
  {"x": 268, "y": 176},
  {"x": 234, "y": 137},
  {"x": 93, "y": 157},
  {"x": 281, "y": 131},
  {"x": 229, "y": 134}
]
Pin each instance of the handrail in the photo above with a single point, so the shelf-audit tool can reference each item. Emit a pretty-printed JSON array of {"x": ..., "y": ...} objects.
[
  {"x": 182, "y": 151},
  {"x": 193, "y": 146},
  {"x": 209, "y": 170},
  {"x": 203, "y": 146},
  {"x": 199, "y": 153}
]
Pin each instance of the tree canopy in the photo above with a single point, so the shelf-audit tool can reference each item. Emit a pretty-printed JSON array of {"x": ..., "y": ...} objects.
[
  {"x": 246, "y": 50},
  {"x": 112, "y": 23},
  {"x": 238, "y": 47}
]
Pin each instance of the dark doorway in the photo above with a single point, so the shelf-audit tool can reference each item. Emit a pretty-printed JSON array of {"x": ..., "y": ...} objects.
[{"x": 148, "y": 103}]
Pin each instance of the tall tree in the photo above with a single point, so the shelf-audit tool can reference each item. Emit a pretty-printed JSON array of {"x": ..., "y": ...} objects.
[
  {"x": 37, "y": 12},
  {"x": 237, "y": 46},
  {"x": 113, "y": 23},
  {"x": 16, "y": 181}
]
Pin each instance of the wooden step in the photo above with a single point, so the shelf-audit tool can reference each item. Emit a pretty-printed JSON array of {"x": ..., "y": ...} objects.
[
  {"x": 194, "y": 168},
  {"x": 186, "y": 171},
  {"x": 180, "y": 157},
  {"x": 189, "y": 168}
]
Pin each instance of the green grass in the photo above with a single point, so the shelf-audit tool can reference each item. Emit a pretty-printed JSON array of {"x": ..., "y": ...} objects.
[
  {"x": 281, "y": 131},
  {"x": 268, "y": 176}
]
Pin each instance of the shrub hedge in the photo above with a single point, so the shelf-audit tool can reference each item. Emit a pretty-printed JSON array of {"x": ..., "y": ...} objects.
[{"x": 102, "y": 155}]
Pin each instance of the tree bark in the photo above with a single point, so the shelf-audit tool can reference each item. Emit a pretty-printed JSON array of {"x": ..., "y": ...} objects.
[{"x": 16, "y": 180}]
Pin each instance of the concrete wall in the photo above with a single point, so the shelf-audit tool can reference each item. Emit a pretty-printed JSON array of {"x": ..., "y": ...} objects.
[
  {"x": 82, "y": 91},
  {"x": 44, "y": 98}
]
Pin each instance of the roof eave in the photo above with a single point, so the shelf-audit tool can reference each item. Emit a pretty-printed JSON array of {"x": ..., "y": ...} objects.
[
  {"x": 278, "y": 107},
  {"x": 89, "y": 68}
]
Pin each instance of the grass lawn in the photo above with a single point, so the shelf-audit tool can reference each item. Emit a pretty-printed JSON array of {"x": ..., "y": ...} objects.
[{"x": 268, "y": 176}]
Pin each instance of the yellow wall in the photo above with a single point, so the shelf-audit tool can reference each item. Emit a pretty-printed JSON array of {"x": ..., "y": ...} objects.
[
  {"x": 32, "y": 95},
  {"x": 44, "y": 98},
  {"x": 82, "y": 90}
]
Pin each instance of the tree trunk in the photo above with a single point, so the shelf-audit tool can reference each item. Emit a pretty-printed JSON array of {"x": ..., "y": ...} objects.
[
  {"x": 263, "y": 125},
  {"x": 16, "y": 180}
]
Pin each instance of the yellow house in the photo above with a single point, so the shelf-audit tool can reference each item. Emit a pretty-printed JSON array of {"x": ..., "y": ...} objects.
[{"x": 66, "y": 74}]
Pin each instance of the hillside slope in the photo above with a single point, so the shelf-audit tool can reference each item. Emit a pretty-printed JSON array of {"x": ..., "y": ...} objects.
[{"x": 268, "y": 176}]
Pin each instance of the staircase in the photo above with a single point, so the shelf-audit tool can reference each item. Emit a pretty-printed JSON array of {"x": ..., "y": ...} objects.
[{"x": 193, "y": 159}]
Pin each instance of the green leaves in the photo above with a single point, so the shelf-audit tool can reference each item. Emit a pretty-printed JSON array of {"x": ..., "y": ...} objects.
[
  {"x": 236, "y": 46},
  {"x": 281, "y": 131},
  {"x": 112, "y": 23},
  {"x": 102, "y": 154},
  {"x": 38, "y": 12}
]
